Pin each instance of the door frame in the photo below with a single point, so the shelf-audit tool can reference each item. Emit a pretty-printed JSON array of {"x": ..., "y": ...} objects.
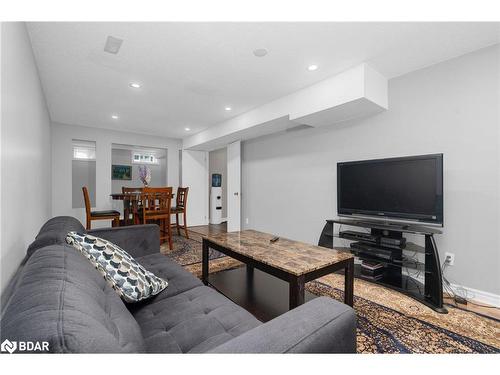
[{"x": 233, "y": 224}]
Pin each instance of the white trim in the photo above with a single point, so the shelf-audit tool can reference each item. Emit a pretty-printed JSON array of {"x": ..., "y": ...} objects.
[
  {"x": 478, "y": 296},
  {"x": 472, "y": 294}
]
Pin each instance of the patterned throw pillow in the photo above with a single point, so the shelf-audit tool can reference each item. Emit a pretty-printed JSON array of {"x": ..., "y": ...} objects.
[{"x": 128, "y": 278}]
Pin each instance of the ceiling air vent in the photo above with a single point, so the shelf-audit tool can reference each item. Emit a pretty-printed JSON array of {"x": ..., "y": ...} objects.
[
  {"x": 298, "y": 127},
  {"x": 113, "y": 44}
]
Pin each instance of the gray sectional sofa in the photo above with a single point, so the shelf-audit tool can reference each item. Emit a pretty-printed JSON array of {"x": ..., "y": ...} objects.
[{"x": 56, "y": 296}]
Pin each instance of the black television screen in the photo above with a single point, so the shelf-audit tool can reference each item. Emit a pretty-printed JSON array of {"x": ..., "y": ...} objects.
[{"x": 408, "y": 188}]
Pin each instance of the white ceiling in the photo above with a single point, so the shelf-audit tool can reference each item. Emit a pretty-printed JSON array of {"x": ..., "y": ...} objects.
[{"x": 191, "y": 71}]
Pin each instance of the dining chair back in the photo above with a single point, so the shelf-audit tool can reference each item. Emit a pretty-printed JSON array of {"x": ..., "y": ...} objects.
[
  {"x": 181, "y": 209},
  {"x": 132, "y": 206},
  {"x": 86, "y": 199},
  {"x": 156, "y": 206},
  {"x": 181, "y": 199},
  {"x": 98, "y": 215}
]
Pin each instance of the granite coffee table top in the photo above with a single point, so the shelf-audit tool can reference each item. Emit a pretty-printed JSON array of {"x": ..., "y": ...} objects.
[{"x": 296, "y": 258}]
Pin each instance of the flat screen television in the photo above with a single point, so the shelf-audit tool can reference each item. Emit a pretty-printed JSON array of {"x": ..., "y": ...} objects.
[{"x": 406, "y": 188}]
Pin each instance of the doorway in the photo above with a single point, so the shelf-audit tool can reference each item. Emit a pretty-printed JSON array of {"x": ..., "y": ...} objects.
[
  {"x": 224, "y": 181},
  {"x": 217, "y": 165}
]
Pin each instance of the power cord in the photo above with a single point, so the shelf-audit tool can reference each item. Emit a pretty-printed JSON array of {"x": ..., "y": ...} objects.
[{"x": 457, "y": 298}]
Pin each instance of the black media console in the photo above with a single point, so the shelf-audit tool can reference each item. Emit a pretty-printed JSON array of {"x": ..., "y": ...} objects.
[{"x": 385, "y": 243}]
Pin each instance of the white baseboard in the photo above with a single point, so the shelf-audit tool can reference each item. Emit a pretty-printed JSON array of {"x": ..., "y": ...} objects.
[
  {"x": 222, "y": 220},
  {"x": 476, "y": 295},
  {"x": 472, "y": 294}
]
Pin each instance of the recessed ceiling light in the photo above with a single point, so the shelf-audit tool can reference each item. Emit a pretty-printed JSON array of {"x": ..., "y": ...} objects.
[
  {"x": 228, "y": 108},
  {"x": 312, "y": 67},
  {"x": 187, "y": 129},
  {"x": 260, "y": 52},
  {"x": 135, "y": 85},
  {"x": 114, "y": 117}
]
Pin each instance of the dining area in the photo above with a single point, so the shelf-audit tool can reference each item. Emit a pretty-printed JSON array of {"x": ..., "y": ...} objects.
[{"x": 145, "y": 205}]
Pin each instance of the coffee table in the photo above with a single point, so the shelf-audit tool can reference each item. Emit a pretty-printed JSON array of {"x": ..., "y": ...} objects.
[{"x": 294, "y": 262}]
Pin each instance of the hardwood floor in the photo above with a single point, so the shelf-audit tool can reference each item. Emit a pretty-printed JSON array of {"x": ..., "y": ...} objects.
[
  {"x": 209, "y": 229},
  {"x": 486, "y": 311}
]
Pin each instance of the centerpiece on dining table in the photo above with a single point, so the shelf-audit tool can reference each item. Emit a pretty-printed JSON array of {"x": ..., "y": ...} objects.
[{"x": 145, "y": 175}]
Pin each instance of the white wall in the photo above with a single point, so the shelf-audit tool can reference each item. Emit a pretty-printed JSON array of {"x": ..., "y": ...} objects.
[
  {"x": 124, "y": 157},
  {"x": 289, "y": 180},
  {"x": 82, "y": 174},
  {"x": 25, "y": 149},
  {"x": 62, "y": 136},
  {"x": 217, "y": 163},
  {"x": 195, "y": 177}
]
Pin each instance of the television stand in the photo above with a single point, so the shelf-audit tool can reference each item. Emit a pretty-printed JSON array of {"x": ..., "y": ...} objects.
[
  {"x": 386, "y": 224},
  {"x": 370, "y": 246}
]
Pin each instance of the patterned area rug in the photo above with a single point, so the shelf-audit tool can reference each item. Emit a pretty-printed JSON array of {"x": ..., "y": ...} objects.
[{"x": 388, "y": 321}]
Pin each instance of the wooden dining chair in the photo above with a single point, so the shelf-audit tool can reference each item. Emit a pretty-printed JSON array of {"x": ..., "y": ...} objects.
[
  {"x": 98, "y": 215},
  {"x": 181, "y": 208},
  {"x": 156, "y": 206},
  {"x": 132, "y": 205}
]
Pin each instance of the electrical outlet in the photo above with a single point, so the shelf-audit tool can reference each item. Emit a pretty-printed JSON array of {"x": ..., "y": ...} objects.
[
  {"x": 449, "y": 258},
  {"x": 246, "y": 220}
]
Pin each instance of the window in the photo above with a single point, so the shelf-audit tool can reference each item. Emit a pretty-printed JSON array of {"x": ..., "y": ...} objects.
[
  {"x": 144, "y": 158},
  {"x": 83, "y": 150}
]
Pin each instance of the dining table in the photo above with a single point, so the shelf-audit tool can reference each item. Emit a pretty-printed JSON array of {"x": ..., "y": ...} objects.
[{"x": 131, "y": 201}]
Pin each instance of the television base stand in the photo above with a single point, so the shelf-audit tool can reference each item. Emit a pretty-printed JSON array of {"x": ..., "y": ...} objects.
[
  {"x": 394, "y": 258},
  {"x": 386, "y": 224}
]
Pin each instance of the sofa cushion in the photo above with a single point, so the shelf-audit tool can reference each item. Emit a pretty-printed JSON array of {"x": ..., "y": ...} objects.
[
  {"x": 60, "y": 298},
  {"x": 128, "y": 278},
  {"x": 179, "y": 280},
  {"x": 62, "y": 224},
  {"x": 194, "y": 321},
  {"x": 54, "y": 232}
]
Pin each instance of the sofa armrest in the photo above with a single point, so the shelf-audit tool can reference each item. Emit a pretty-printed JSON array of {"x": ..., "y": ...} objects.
[
  {"x": 137, "y": 240},
  {"x": 319, "y": 326}
]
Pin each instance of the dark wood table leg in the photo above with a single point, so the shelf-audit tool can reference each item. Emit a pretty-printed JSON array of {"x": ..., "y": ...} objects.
[
  {"x": 134, "y": 205},
  {"x": 250, "y": 283},
  {"x": 126, "y": 211},
  {"x": 349, "y": 283},
  {"x": 249, "y": 271},
  {"x": 204, "y": 262},
  {"x": 296, "y": 291}
]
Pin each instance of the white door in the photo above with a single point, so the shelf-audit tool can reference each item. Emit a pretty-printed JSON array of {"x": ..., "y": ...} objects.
[
  {"x": 234, "y": 186},
  {"x": 195, "y": 176}
]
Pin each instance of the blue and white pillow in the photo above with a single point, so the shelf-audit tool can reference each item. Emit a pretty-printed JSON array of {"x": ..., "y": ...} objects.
[{"x": 128, "y": 278}]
